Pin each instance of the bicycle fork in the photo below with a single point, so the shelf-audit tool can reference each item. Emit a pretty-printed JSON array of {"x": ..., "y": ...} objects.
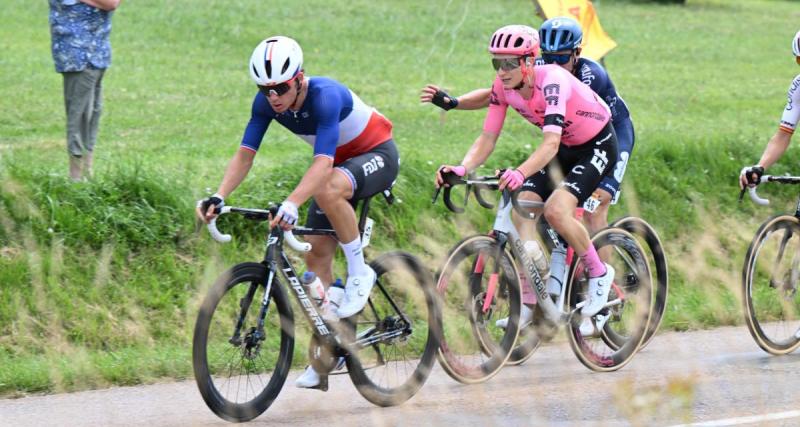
[
  {"x": 494, "y": 277},
  {"x": 244, "y": 305}
]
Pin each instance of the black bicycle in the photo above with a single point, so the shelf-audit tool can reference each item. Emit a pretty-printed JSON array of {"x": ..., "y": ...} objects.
[
  {"x": 244, "y": 335},
  {"x": 771, "y": 277}
]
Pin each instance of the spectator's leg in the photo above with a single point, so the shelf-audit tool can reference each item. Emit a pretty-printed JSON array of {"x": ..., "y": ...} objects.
[
  {"x": 72, "y": 107},
  {"x": 94, "y": 119}
]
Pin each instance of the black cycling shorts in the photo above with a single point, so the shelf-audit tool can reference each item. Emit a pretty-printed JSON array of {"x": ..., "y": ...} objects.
[
  {"x": 587, "y": 164},
  {"x": 368, "y": 173}
]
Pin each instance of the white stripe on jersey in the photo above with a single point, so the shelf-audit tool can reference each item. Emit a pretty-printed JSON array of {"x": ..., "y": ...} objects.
[
  {"x": 791, "y": 113},
  {"x": 352, "y": 125}
]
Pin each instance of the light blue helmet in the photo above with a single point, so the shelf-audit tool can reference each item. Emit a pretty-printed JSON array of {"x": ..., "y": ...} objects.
[{"x": 560, "y": 33}]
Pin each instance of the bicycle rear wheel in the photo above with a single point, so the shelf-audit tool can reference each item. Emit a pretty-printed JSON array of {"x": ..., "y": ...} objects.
[
  {"x": 240, "y": 371},
  {"x": 478, "y": 285},
  {"x": 770, "y": 281},
  {"x": 656, "y": 258},
  {"x": 627, "y": 320},
  {"x": 398, "y": 332}
]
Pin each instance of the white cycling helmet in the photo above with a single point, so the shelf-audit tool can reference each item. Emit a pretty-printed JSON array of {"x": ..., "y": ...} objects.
[
  {"x": 796, "y": 44},
  {"x": 275, "y": 60}
]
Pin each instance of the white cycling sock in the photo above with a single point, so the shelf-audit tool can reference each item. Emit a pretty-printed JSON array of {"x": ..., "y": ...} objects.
[{"x": 355, "y": 257}]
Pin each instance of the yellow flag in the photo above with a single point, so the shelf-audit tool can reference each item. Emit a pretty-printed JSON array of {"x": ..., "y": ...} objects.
[{"x": 596, "y": 43}]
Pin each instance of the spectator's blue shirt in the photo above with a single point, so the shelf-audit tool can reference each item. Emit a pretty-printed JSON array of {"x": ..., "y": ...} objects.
[{"x": 79, "y": 36}]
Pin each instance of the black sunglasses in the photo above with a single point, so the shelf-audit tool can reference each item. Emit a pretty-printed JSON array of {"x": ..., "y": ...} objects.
[
  {"x": 561, "y": 59},
  {"x": 507, "y": 64},
  {"x": 278, "y": 89}
]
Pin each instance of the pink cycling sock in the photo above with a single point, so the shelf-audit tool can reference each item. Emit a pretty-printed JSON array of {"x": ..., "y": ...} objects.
[{"x": 592, "y": 261}]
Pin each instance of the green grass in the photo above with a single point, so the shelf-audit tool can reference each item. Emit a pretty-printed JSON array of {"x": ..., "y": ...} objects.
[{"x": 100, "y": 281}]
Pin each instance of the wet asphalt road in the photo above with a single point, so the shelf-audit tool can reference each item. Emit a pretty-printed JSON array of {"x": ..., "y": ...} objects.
[{"x": 715, "y": 377}]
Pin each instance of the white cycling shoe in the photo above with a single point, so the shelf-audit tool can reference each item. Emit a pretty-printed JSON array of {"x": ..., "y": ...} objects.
[
  {"x": 591, "y": 326},
  {"x": 599, "y": 288},
  {"x": 311, "y": 379},
  {"x": 356, "y": 293},
  {"x": 525, "y": 317}
]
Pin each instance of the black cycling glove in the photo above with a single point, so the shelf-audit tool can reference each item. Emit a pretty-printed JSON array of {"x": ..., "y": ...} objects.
[
  {"x": 215, "y": 200},
  {"x": 444, "y": 101},
  {"x": 756, "y": 170}
]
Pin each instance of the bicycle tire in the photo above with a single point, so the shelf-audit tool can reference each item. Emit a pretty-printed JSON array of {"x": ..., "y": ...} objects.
[
  {"x": 754, "y": 293},
  {"x": 639, "y": 227},
  {"x": 476, "y": 354},
  {"x": 401, "y": 281},
  {"x": 255, "y": 275},
  {"x": 602, "y": 353}
]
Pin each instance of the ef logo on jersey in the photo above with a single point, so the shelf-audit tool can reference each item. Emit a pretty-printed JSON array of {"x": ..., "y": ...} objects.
[
  {"x": 599, "y": 160},
  {"x": 372, "y": 165}
]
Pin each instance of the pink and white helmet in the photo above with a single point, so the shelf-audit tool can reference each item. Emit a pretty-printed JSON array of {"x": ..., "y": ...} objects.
[
  {"x": 275, "y": 60},
  {"x": 515, "y": 40}
]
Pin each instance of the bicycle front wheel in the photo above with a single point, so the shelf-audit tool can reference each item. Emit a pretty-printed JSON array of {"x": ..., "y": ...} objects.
[
  {"x": 620, "y": 328},
  {"x": 771, "y": 275},
  {"x": 397, "y": 332},
  {"x": 240, "y": 363},
  {"x": 480, "y": 293}
]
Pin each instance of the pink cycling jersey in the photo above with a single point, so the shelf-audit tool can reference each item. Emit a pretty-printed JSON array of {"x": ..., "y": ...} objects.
[{"x": 560, "y": 103}]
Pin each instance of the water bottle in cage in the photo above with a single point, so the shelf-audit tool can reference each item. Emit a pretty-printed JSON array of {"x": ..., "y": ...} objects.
[
  {"x": 314, "y": 287},
  {"x": 534, "y": 250}
]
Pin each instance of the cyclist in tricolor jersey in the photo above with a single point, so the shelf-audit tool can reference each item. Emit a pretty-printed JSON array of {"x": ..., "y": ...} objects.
[
  {"x": 579, "y": 144},
  {"x": 354, "y": 157},
  {"x": 783, "y": 136}
]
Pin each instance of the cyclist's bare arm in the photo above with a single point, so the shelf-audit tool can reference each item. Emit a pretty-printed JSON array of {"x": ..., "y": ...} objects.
[
  {"x": 315, "y": 177},
  {"x": 474, "y": 100},
  {"x": 237, "y": 170},
  {"x": 775, "y": 148},
  {"x": 480, "y": 151},
  {"x": 542, "y": 155}
]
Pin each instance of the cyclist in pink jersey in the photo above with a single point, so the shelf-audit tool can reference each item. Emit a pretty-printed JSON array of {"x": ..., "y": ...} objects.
[
  {"x": 579, "y": 147},
  {"x": 783, "y": 136}
]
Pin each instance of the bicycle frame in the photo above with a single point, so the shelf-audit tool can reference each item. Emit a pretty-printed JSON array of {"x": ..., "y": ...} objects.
[
  {"x": 275, "y": 259},
  {"x": 505, "y": 231}
]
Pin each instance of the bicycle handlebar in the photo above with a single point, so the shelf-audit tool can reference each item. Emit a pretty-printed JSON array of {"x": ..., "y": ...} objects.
[
  {"x": 476, "y": 185},
  {"x": 288, "y": 236},
  {"x": 752, "y": 191}
]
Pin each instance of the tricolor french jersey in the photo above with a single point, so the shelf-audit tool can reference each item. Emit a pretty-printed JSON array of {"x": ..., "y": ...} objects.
[
  {"x": 791, "y": 113},
  {"x": 333, "y": 120},
  {"x": 560, "y": 103}
]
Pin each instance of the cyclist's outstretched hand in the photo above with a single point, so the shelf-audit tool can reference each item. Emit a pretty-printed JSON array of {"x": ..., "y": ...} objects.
[
  {"x": 205, "y": 207},
  {"x": 511, "y": 179},
  {"x": 750, "y": 176},
  {"x": 286, "y": 217},
  {"x": 458, "y": 170},
  {"x": 438, "y": 97}
]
